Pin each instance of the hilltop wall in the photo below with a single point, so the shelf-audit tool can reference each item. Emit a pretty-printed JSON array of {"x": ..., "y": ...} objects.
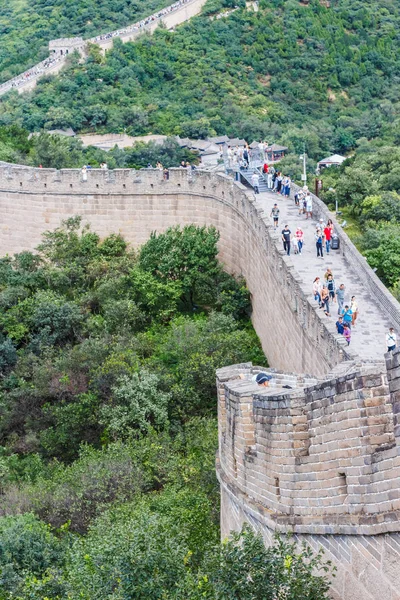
[
  {"x": 136, "y": 203},
  {"x": 61, "y": 48},
  {"x": 169, "y": 21}
]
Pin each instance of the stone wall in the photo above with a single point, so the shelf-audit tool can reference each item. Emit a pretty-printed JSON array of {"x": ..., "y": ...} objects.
[
  {"x": 322, "y": 462},
  {"x": 170, "y": 21},
  {"x": 136, "y": 203}
]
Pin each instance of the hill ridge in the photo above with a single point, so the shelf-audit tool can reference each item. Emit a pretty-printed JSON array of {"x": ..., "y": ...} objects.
[{"x": 172, "y": 15}]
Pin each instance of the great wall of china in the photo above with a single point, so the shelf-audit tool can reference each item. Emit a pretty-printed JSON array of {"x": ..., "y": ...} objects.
[
  {"x": 320, "y": 458},
  {"x": 170, "y": 17}
]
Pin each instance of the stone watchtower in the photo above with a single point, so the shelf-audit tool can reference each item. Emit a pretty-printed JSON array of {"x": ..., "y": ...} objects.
[{"x": 65, "y": 46}]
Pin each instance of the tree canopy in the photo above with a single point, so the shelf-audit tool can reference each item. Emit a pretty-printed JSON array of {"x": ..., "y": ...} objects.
[{"x": 108, "y": 429}]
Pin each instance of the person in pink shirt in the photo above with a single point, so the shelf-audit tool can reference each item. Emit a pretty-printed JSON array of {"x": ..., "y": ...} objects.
[
  {"x": 300, "y": 238},
  {"x": 347, "y": 333}
]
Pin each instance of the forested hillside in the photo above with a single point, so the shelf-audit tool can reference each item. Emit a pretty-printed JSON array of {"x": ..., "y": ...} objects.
[
  {"x": 108, "y": 430},
  {"x": 27, "y": 26},
  {"x": 328, "y": 76}
]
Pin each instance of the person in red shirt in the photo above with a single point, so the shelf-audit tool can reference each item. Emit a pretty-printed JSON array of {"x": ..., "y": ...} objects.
[{"x": 328, "y": 237}]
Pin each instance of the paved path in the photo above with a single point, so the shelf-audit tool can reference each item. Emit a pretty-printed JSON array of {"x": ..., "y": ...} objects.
[{"x": 368, "y": 337}]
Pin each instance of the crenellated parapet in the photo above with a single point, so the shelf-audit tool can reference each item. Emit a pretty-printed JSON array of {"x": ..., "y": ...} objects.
[{"x": 320, "y": 460}]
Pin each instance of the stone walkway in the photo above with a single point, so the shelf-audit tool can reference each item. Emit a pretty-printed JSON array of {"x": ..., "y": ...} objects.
[{"x": 368, "y": 336}]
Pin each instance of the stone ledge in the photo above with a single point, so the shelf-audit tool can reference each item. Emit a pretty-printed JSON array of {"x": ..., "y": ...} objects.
[{"x": 341, "y": 524}]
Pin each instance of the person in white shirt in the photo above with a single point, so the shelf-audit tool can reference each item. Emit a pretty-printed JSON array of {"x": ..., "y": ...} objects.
[
  {"x": 309, "y": 206},
  {"x": 255, "y": 182},
  {"x": 391, "y": 340},
  {"x": 229, "y": 155}
]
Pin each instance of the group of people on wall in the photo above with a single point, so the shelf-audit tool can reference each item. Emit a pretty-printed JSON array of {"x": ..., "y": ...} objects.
[{"x": 325, "y": 291}]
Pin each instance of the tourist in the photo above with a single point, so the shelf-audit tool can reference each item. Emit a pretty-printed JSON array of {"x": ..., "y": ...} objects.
[
  {"x": 340, "y": 325},
  {"x": 274, "y": 177},
  {"x": 286, "y": 233},
  {"x": 328, "y": 237},
  {"x": 278, "y": 183},
  {"x": 286, "y": 187},
  {"x": 246, "y": 156},
  {"x": 354, "y": 310},
  {"x": 255, "y": 182},
  {"x": 309, "y": 205},
  {"x": 318, "y": 243},
  {"x": 317, "y": 290},
  {"x": 165, "y": 174},
  {"x": 340, "y": 297},
  {"x": 263, "y": 379},
  {"x": 270, "y": 178},
  {"x": 261, "y": 150},
  {"x": 229, "y": 155},
  {"x": 328, "y": 273},
  {"x": 84, "y": 173},
  {"x": 347, "y": 333},
  {"x": 391, "y": 340},
  {"x": 330, "y": 284},
  {"x": 300, "y": 239},
  {"x": 321, "y": 225},
  {"x": 347, "y": 316},
  {"x": 325, "y": 300},
  {"x": 275, "y": 215},
  {"x": 303, "y": 206},
  {"x": 331, "y": 226}
]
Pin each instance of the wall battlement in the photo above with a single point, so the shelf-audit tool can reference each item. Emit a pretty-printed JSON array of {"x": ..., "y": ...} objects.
[
  {"x": 320, "y": 459},
  {"x": 323, "y": 462}
]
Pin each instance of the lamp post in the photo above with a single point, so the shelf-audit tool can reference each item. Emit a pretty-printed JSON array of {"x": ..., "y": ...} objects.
[{"x": 303, "y": 157}]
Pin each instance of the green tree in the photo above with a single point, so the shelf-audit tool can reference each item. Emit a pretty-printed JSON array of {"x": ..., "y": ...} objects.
[
  {"x": 187, "y": 255},
  {"x": 244, "y": 569},
  {"x": 137, "y": 404}
]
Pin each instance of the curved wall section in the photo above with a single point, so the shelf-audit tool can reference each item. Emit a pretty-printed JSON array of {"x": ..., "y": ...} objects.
[
  {"x": 136, "y": 203},
  {"x": 321, "y": 461}
]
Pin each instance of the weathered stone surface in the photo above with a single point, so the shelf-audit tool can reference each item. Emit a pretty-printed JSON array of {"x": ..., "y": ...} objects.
[{"x": 339, "y": 488}]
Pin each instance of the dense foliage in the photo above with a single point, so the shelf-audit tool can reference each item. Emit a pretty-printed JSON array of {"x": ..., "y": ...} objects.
[
  {"x": 58, "y": 151},
  {"x": 27, "y": 27},
  {"x": 326, "y": 76},
  {"x": 108, "y": 429}
]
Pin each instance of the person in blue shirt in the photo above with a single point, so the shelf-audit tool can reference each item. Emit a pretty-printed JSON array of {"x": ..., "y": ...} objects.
[
  {"x": 347, "y": 315},
  {"x": 318, "y": 243},
  {"x": 340, "y": 326}
]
